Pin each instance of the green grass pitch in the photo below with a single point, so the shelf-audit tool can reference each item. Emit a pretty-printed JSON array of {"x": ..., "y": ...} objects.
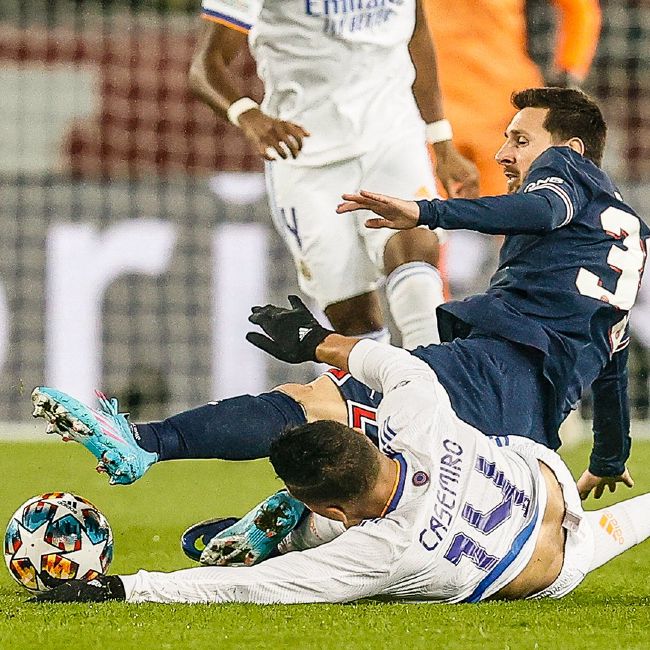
[{"x": 611, "y": 609}]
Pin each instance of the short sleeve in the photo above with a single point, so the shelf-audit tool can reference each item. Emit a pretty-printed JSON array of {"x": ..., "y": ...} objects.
[{"x": 237, "y": 14}]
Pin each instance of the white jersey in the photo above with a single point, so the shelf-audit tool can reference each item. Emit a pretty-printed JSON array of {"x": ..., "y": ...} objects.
[
  {"x": 339, "y": 68},
  {"x": 462, "y": 521}
]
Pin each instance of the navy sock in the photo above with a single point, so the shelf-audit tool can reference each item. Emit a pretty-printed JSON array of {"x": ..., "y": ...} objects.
[{"x": 239, "y": 428}]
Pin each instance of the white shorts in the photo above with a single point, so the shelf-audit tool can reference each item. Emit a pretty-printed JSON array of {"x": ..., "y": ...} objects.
[
  {"x": 335, "y": 256},
  {"x": 579, "y": 541}
]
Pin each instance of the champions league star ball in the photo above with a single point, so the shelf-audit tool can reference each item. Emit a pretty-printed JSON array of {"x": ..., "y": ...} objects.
[{"x": 57, "y": 536}]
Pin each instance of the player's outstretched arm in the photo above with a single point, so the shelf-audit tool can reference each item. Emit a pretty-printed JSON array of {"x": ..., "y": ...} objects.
[
  {"x": 393, "y": 212},
  {"x": 589, "y": 482},
  {"x": 211, "y": 81}
]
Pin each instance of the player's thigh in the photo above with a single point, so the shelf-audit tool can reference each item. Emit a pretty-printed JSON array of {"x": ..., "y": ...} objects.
[
  {"x": 356, "y": 316},
  {"x": 328, "y": 253},
  {"x": 336, "y": 395},
  {"x": 320, "y": 399},
  {"x": 494, "y": 385},
  {"x": 402, "y": 168}
]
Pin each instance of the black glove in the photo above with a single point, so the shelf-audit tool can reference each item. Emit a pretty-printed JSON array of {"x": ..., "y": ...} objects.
[
  {"x": 293, "y": 334},
  {"x": 97, "y": 590}
]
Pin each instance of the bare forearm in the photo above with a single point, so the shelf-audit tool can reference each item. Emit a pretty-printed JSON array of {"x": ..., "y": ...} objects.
[
  {"x": 209, "y": 78},
  {"x": 458, "y": 175},
  {"x": 426, "y": 88},
  {"x": 211, "y": 81},
  {"x": 335, "y": 350}
]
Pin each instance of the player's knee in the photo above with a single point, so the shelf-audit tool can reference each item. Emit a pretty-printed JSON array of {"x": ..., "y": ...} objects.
[
  {"x": 416, "y": 245},
  {"x": 320, "y": 399},
  {"x": 302, "y": 393}
]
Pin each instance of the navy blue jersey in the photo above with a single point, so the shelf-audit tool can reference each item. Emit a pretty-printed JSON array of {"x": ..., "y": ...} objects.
[{"x": 568, "y": 274}]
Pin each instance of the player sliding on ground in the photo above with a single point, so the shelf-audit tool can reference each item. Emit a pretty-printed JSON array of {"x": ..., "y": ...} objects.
[
  {"x": 552, "y": 323},
  {"x": 438, "y": 512}
]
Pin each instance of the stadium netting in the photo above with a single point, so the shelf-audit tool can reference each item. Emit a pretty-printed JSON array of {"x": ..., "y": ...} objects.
[{"x": 98, "y": 128}]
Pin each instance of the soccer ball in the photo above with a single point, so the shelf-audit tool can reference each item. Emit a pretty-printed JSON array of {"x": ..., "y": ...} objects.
[{"x": 57, "y": 536}]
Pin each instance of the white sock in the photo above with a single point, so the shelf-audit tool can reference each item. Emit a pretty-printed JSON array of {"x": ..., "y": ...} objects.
[
  {"x": 618, "y": 528},
  {"x": 413, "y": 291},
  {"x": 313, "y": 531}
]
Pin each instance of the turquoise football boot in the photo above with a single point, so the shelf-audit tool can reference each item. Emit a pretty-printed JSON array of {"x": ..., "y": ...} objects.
[
  {"x": 104, "y": 432},
  {"x": 255, "y": 536}
]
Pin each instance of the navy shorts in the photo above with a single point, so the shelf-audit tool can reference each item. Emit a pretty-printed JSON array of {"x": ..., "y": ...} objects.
[{"x": 495, "y": 385}]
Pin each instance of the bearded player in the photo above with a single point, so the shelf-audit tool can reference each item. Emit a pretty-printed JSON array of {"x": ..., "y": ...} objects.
[{"x": 553, "y": 322}]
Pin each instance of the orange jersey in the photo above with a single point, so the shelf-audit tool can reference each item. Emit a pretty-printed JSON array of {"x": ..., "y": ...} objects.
[
  {"x": 578, "y": 32},
  {"x": 482, "y": 58}
]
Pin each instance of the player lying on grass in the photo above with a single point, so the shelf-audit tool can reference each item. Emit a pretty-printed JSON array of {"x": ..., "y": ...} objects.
[
  {"x": 552, "y": 323},
  {"x": 438, "y": 512}
]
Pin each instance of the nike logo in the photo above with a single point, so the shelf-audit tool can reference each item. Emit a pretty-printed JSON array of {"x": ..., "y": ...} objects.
[{"x": 302, "y": 332}]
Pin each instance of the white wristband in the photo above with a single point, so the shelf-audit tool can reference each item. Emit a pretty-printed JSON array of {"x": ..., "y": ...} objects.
[
  {"x": 439, "y": 131},
  {"x": 240, "y": 106}
]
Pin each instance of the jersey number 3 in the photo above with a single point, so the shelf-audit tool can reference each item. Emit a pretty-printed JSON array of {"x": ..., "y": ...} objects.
[{"x": 628, "y": 261}]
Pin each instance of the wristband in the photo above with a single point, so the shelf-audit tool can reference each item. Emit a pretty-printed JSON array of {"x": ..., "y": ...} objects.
[
  {"x": 439, "y": 131},
  {"x": 240, "y": 106}
]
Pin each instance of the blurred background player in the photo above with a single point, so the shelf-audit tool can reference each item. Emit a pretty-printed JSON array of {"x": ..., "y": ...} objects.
[
  {"x": 482, "y": 53},
  {"x": 348, "y": 90},
  {"x": 482, "y": 48}
]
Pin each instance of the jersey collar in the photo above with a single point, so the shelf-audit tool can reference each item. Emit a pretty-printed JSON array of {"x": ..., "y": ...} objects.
[{"x": 398, "y": 487}]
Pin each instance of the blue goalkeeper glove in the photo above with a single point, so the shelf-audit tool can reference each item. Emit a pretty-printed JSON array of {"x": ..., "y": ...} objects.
[{"x": 292, "y": 334}]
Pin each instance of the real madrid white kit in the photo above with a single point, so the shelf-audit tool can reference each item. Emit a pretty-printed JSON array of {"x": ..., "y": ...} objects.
[
  {"x": 462, "y": 522},
  {"x": 342, "y": 70}
]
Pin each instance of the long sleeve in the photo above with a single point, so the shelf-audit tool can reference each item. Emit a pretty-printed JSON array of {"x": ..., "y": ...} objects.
[
  {"x": 384, "y": 367},
  {"x": 359, "y": 563},
  {"x": 552, "y": 194},
  {"x": 611, "y": 422},
  {"x": 515, "y": 214}
]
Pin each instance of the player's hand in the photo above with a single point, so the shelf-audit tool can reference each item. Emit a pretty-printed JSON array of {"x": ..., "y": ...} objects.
[
  {"x": 293, "y": 334},
  {"x": 458, "y": 175},
  {"x": 272, "y": 137},
  {"x": 588, "y": 482},
  {"x": 393, "y": 213}
]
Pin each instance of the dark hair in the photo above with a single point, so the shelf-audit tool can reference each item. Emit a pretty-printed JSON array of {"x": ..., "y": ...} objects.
[
  {"x": 571, "y": 114},
  {"x": 325, "y": 461}
]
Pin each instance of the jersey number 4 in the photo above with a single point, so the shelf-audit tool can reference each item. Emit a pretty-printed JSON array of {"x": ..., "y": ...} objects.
[
  {"x": 628, "y": 261},
  {"x": 486, "y": 522}
]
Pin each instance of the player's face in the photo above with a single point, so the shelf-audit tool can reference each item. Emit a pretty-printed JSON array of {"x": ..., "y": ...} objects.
[{"x": 526, "y": 139}]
